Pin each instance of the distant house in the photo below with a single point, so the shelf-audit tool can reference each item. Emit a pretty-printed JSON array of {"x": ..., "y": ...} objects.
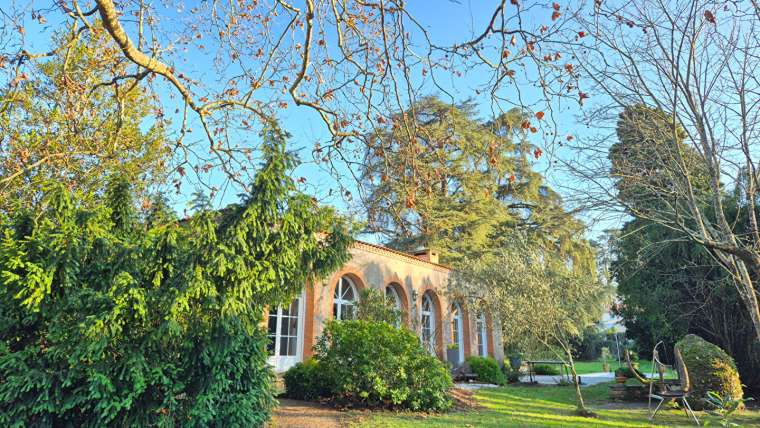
[{"x": 417, "y": 283}]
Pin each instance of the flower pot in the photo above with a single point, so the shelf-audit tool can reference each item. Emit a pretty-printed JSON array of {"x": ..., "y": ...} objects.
[
  {"x": 620, "y": 379},
  {"x": 515, "y": 361},
  {"x": 452, "y": 355}
]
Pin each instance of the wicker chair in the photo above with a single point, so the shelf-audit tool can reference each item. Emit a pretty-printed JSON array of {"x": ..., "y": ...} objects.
[{"x": 677, "y": 394}]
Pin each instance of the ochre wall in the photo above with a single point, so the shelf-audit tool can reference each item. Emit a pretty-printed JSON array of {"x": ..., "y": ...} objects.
[{"x": 376, "y": 267}]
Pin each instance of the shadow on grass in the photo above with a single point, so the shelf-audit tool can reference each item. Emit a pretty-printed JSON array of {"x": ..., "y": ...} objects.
[{"x": 540, "y": 407}]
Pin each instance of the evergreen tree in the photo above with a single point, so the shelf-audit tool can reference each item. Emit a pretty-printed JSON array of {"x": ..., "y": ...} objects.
[
  {"x": 108, "y": 318},
  {"x": 438, "y": 176}
]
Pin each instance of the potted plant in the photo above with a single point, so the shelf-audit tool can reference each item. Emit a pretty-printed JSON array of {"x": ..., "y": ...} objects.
[
  {"x": 452, "y": 354},
  {"x": 621, "y": 375},
  {"x": 515, "y": 358}
]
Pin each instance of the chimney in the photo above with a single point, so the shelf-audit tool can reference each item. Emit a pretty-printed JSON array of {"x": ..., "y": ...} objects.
[{"x": 427, "y": 254}]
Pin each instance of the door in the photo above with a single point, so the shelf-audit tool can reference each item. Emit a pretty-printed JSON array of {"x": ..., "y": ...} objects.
[
  {"x": 457, "y": 332},
  {"x": 285, "y": 331}
]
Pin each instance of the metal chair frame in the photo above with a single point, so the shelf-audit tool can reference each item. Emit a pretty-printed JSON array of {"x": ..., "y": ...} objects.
[{"x": 683, "y": 394}]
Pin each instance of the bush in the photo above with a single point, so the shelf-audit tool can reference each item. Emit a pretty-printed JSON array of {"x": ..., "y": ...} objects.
[
  {"x": 710, "y": 369},
  {"x": 545, "y": 369},
  {"x": 375, "y": 364},
  {"x": 303, "y": 381},
  {"x": 487, "y": 370}
]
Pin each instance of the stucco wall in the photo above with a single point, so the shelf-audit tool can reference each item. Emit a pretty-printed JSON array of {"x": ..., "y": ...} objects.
[{"x": 376, "y": 267}]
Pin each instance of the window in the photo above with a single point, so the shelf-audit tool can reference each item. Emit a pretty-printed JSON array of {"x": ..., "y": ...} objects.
[
  {"x": 283, "y": 331},
  {"x": 457, "y": 331},
  {"x": 428, "y": 321},
  {"x": 482, "y": 335},
  {"x": 344, "y": 300},
  {"x": 456, "y": 324},
  {"x": 392, "y": 295}
]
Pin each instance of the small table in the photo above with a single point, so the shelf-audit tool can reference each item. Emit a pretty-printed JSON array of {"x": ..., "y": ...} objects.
[{"x": 564, "y": 369}]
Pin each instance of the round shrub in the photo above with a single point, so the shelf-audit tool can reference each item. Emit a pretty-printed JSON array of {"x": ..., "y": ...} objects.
[
  {"x": 375, "y": 364},
  {"x": 487, "y": 370},
  {"x": 303, "y": 381},
  {"x": 710, "y": 369}
]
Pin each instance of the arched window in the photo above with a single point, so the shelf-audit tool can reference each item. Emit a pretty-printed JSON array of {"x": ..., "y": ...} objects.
[
  {"x": 482, "y": 335},
  {"x": 344, "y": 299},
  {"x": 457, "y": 330},
  {"x": 428, "y": 323},
  {"x": 392, "y": 295}
]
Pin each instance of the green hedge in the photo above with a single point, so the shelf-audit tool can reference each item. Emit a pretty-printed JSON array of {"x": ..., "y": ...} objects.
[
  {"x": 710, "y": 369},
  {"x": 487, "y": 370},
  {"x": 303, "y": 381},
  {"x": 372, "y": 364}
]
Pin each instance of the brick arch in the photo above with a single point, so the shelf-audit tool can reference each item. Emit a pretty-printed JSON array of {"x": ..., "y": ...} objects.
[
  {"x": 465, "y": 317},
  {"x": 438, "y": 327},
  {"x": 405, "y": 313},
  {"x": 354, "y": 274}
]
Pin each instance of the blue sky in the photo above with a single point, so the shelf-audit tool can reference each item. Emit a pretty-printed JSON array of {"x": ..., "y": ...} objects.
[{"x": 447, "y": 22}]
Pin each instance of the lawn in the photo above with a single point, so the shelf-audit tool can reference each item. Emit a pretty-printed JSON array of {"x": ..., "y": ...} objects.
[{"x": 539, "y": 406}]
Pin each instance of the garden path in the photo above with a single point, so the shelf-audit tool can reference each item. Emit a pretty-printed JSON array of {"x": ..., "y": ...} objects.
[{"x": 305, "y": 414}]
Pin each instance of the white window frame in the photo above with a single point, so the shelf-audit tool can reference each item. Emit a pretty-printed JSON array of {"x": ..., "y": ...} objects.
[
  {"x": 482, "y": 329},
  {"x": 339, "y": 302},
  {"x": 429, "y": 314},
  {"x": 457, "y": 329},
  {"x": 283, "y": 362},
  {"x": 390, "y": 291}
]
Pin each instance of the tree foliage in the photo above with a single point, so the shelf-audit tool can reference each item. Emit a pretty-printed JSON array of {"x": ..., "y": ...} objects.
[
  {"x": 538, "y": 299},
  {"x": 678, "y": 80},
  {"x": 223, "y": 70},
  {"x": 110, "y": 316},
  {"x": 460, "y": 184},
  {"x": 65, "y": 125},
  {"x": 669, "y": 287}
]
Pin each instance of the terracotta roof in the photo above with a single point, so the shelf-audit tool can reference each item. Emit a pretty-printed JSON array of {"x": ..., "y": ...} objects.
[{"x": 381, "y": 250}]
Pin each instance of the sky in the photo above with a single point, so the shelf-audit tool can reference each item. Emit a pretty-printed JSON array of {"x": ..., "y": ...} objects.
[{"x": 448, "y": 22}]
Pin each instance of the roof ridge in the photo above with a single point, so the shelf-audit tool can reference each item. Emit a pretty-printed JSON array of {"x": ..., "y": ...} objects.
[{"x": 402, "y": 253}]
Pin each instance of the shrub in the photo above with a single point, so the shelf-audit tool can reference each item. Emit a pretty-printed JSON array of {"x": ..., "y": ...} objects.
[
  {"x": 710, "y": 369},
  {"x": 545, "y": 369},
  {"x": 375, "y": 364},
  {"x": 376, "y": 306},
  {"x": 487, "y": 370},
  {"x": 303, "y": 381}
]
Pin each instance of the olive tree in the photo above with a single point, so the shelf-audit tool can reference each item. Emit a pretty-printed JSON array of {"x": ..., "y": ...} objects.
[{"x": 538, "y": 297}]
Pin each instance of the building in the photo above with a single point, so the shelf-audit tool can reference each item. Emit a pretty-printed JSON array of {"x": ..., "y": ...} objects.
[{"x": 416, "y": 282}]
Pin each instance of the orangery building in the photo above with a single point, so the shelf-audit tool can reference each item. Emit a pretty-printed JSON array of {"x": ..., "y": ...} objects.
[{"x": 417, "y": 284}]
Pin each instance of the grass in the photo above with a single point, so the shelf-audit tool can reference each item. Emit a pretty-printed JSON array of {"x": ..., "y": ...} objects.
[{"x": 541, "y": 406}]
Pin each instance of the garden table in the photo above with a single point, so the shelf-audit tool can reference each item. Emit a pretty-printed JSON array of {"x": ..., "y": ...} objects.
[{"x": 564, "y": 370}]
